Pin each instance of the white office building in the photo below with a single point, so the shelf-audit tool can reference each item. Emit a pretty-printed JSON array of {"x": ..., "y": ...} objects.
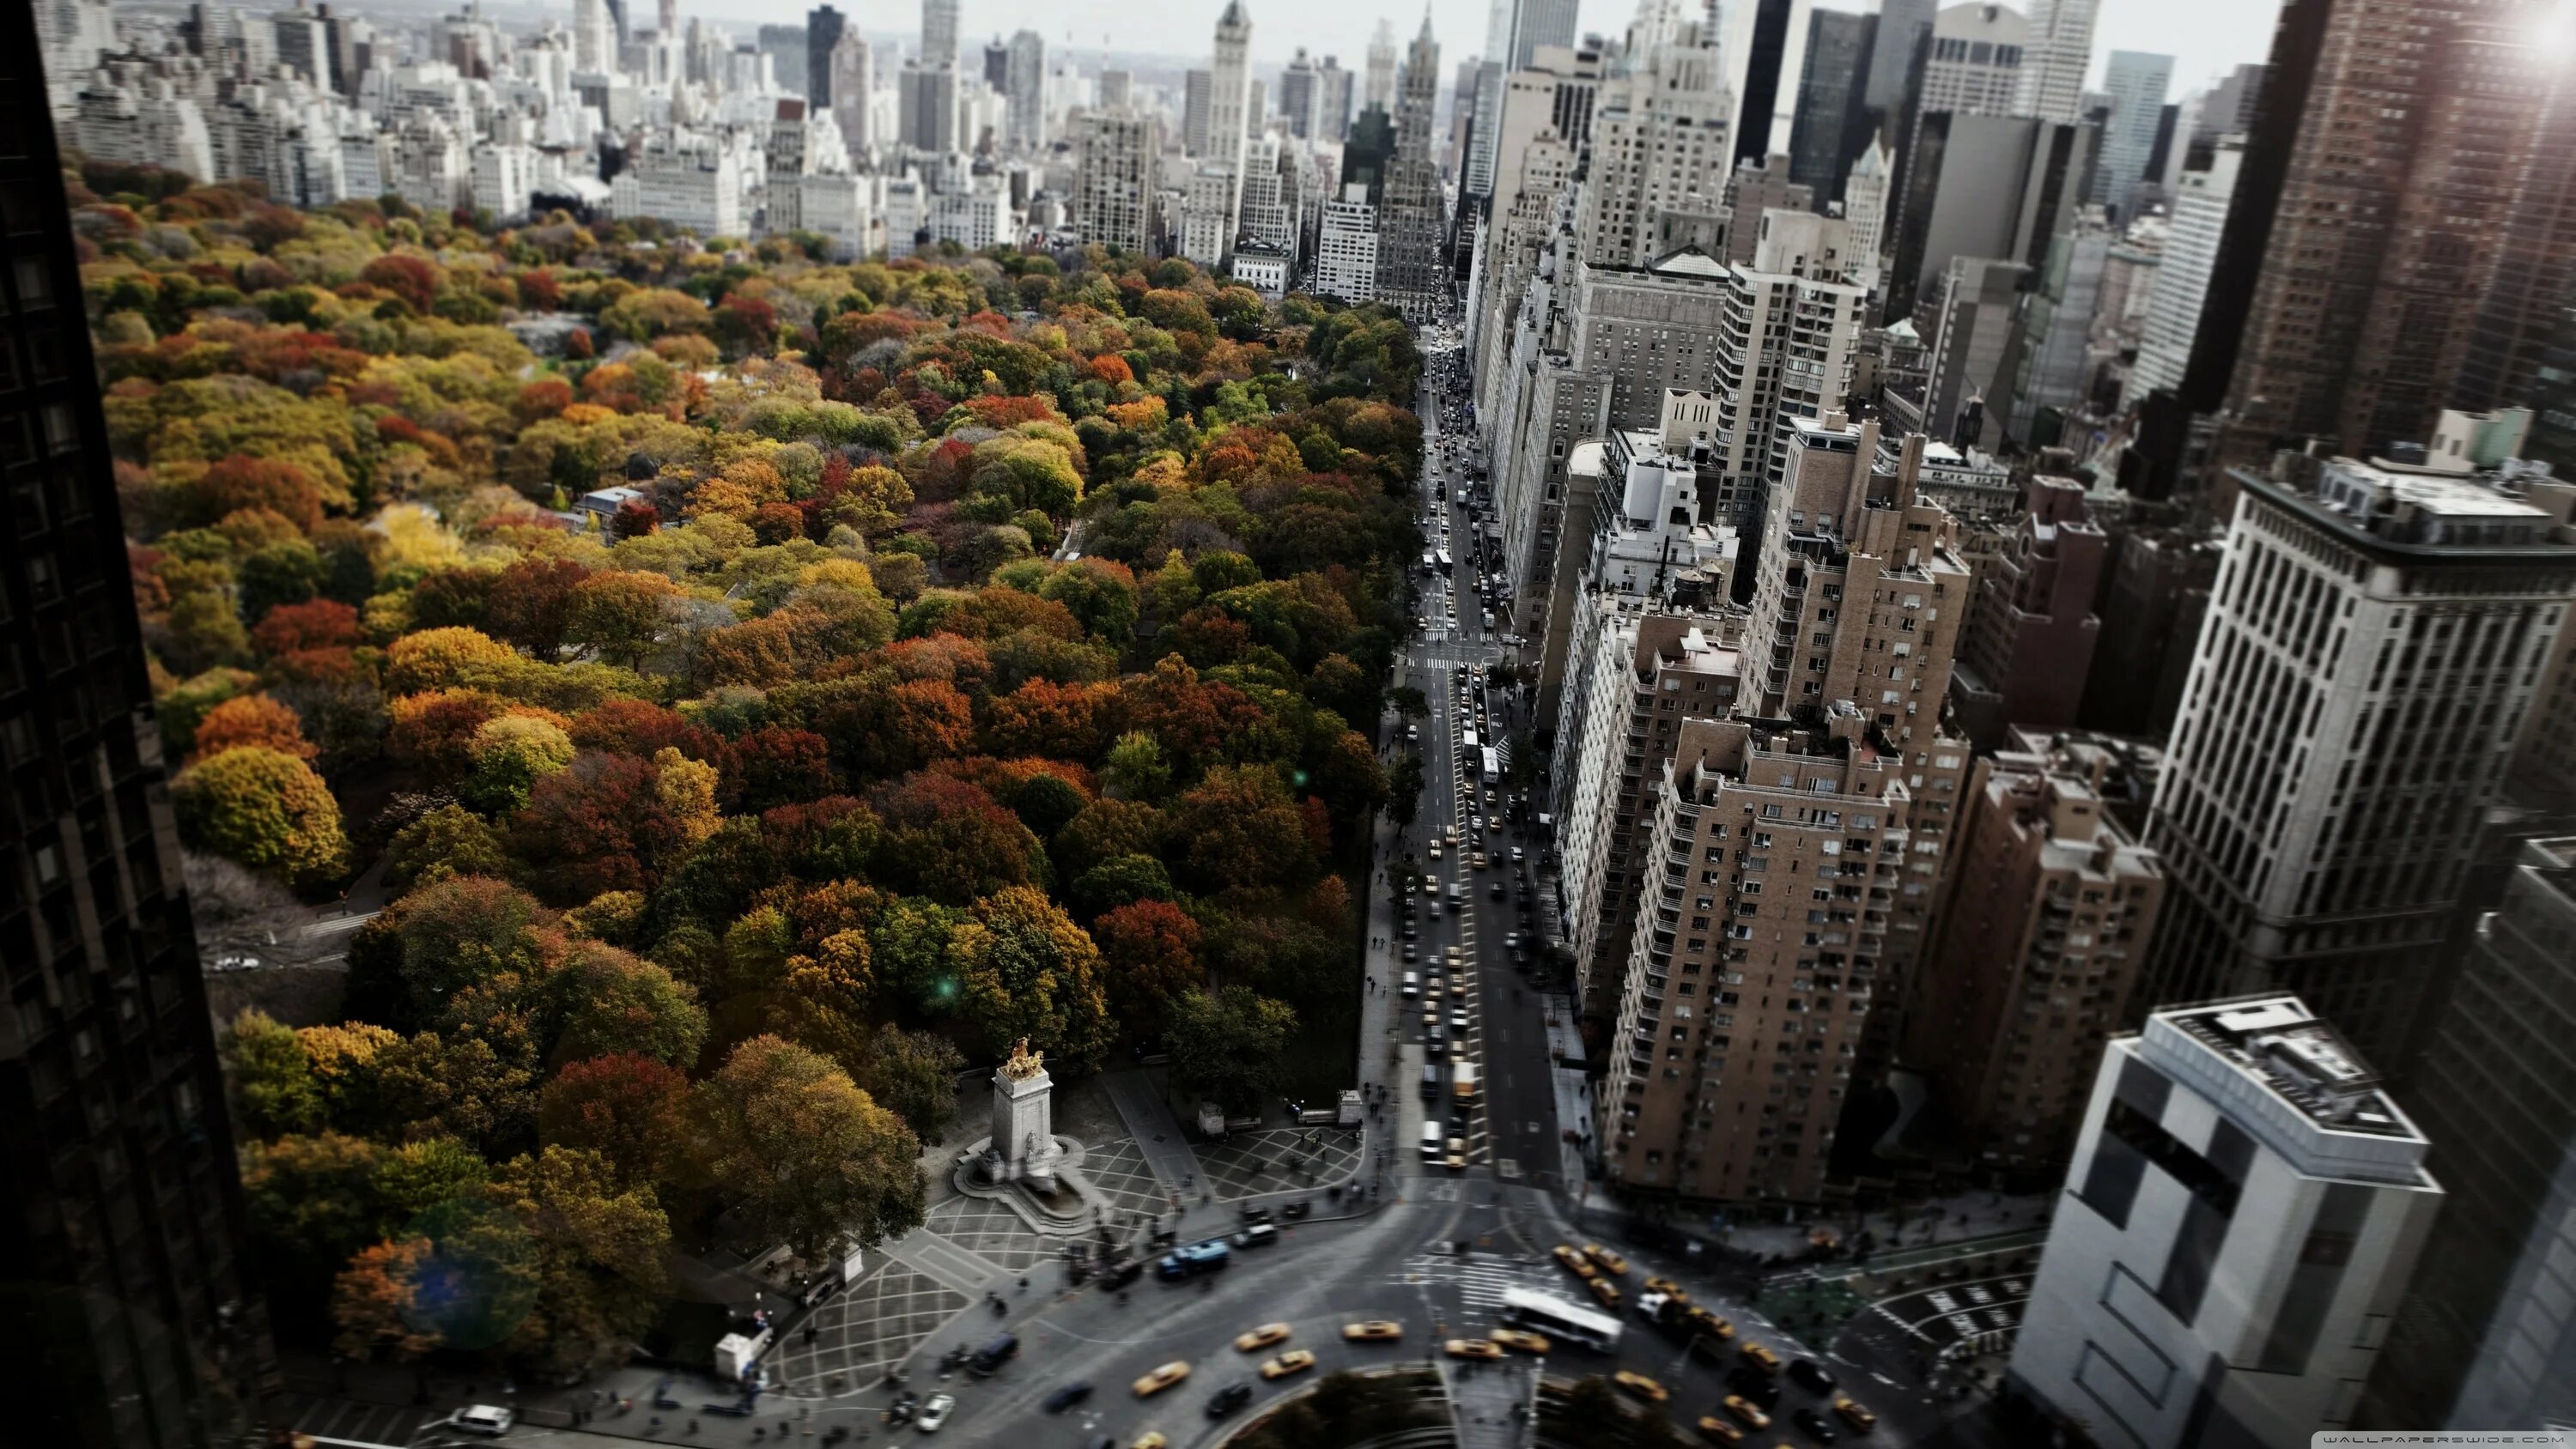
[
  {"x": 2238, "y": 1225},
  {"x": 2198, "y": 215},
  {"x": 1346, "y": 248}
]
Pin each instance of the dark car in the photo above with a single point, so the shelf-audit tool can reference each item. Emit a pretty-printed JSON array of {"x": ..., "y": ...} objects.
[
  {"x": 1752, "y": 1383},
  {"x": 1810, "y": 1375},
  {"x": 1252, "y": 1215},
  {"x": 1813, "y": 1425},
  {"x": 1229, "y": 1399},
  {"x": 1068, "y": 1396}
]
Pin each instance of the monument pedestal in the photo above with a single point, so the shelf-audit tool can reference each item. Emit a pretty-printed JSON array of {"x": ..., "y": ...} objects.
[{"x": 1023, "y": 1147}]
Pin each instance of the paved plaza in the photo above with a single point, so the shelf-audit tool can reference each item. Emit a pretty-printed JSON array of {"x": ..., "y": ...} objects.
[
  {"x": 989, "y": 1230},
  {"x": 872, "y": 1323},
  {"x": 1249, "y": 1164},
  {"x": 1124, "y": 1178}
]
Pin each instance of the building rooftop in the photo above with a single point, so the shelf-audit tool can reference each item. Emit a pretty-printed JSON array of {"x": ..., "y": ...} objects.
[{"x": 2277, "y": 1070}]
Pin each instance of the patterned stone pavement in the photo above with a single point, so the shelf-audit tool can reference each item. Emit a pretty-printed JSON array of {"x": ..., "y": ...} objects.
[
  {"x": 1252, "y": 1163},
  {"x": 989, "y": 1230},
  {"x": 1119, "y": 1170},
  {"x": 869, "y": 1325}
]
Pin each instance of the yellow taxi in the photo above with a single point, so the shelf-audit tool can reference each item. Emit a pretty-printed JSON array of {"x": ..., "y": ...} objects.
[
  {"x": 1710, "y": 1324},
  {"x": 1161, "y": 1379},
  {"x": 1150, "y": 1439},
  {"x": 1262, "y": 1337},
  {"x": 1435, "y": 850},
  {"x": 1642, "y": 1386},
  {"x": 1668, "y": 1288},
  {"x": 1575, "y": 1263},
  {"x": 1605, "y": 1291},
  {"x": 1375, "y": 1330},
  {"x": 1483, "y": 1348},
  {"x": 1610, "y": 1262},
  {"x": 1457, "y": 1159},
  {"x": 1294, "y": 1361},
  {"x": 1760, "y": 1357},
  {"x": 1747, "y": 1410},
  {"x": 1521, "y": 1339},
  {"x": 1718, "y": 1431},
  {"x": 1861, "y": 1420}
]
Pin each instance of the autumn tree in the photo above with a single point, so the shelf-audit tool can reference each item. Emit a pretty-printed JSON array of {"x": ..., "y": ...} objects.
[
  {"x": 600, "y": 1247},
  {"x": 630, "y": 1109},
  {"x": 805, "y": 1155},
  {"x": 1240, "y": 827},
  {"x": 273, "y": 1088},
  {"x": 914, "y": 1075},
  {"x": 605, "y": 1000},
  {"x": 1026, "y": 970},
  {"x": 262, "y": 809},
  {"x": 255, "y": 720},
  {"x": 532, "y": 604},
  {"x": 618, "y": 614},
  {"x": 1149, "y": 951}
]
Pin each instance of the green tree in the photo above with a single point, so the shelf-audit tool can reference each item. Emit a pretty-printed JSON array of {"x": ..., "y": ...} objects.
[
  {"x": 448, "y": 841},
  {"x": 913, "y": 1074},
  {"x": 1230, "y": 1046},
  {"x": 273, "y": 1088},
  {"x": 805, "y": 1155},
  {"x": 1026, "y": 970},
  {"x": 265, "y": 810},
  {"x": 601, "y": 1245},
  {"x": 606, "y": 1000},
  {"x": 1136, "y": 769}
]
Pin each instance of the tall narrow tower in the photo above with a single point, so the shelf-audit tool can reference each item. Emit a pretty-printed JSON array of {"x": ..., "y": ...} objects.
[
  {"x": 2061, "y": 49},
  {"x": 1378, "y": 86},
  {"x": 1409, "y": 221},
  {"x": 1230, "y": 107}
]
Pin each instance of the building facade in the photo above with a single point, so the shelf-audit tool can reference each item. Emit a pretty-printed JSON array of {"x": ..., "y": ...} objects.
[{"x": 2243, "y": 1210}]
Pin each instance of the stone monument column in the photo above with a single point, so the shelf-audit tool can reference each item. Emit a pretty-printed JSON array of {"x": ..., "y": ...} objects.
[{"x": 1023, "y": 1147}]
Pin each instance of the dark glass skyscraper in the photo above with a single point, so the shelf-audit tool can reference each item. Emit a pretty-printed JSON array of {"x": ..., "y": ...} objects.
[{"x": 126, "y": 1321}]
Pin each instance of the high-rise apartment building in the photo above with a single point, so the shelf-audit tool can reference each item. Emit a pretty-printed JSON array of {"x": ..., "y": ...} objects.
[
  {"x": 1783, "y": 350},
  {"x": 1756, "y": 186},
  {"x": 2060, "y": 347},
  {"x": 926, "y": 108},
  {"x": 1410, "y": 274},
  {"x": 2136, "y": 82},
  {"x": 2195, "y": 220},
  {"x": 1346, "y": 247},
  {"x": 824, "y": 27},
  {"x": 1114, "y": 188},
  {"x": 2151, "y": 611},
  {"x": 2370, "y": 650},
  {"x": 2401, "y": 133},
  {"x": 1644, "y": 648},
  {"x": 129, "y": 1322},
  {"x": 1785, "y": 850},
  {"x": 2052, "y": 905},
  {"x": 1659, "y": 149},
  {"x": 2483, "y": 1339},
  {"x": 2243, "y": 1210},
  {"x": 853, "y": 67},
  {"x": 2056, "y": 55},
  {"x": 1834, "y": 119},
  {"x": 2028, "y": 643},
  {"x": 1858, "y": 594},
  {"x": 1763, "y": 48}
]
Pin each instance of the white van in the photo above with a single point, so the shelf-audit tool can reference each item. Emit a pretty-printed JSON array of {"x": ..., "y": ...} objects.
[
  {"x": 1435, "y": 1143},
  {"x": 1412, "y": 984}
]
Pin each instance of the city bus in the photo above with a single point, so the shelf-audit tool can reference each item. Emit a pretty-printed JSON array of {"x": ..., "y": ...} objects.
[
  {"x": 1493, "y": 770},
  {"x": 1560, "y": 1319},
  {"x": 1445, "y": 564}
]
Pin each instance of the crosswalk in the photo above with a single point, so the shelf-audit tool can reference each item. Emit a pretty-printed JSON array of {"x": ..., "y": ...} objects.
[{"x": 1479, "y": 1282}]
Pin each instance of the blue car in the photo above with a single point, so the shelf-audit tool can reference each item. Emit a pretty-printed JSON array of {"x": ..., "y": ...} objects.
[{"x": 1068, "y": 1396}]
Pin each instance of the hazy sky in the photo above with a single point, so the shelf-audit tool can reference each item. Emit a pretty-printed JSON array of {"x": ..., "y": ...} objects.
[{"x": 2206, "y": 37}]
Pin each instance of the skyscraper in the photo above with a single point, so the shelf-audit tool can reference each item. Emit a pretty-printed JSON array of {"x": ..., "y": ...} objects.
[
  {"x": 1834, "y": 122},
  {"x": 1114, "y": 180},
  {"x": 1765, "y": 50},
  {"x": 1409, "y": 214},
  {"x": 2060, "y": 52},
  {"x": 2483, "y": 1336},
  {"x": 1378, "y": 81},
  {"x": 1904, "y": 28},
  {"x": 1976, "y": 59},
  {"x": 2243, "y": 1210},
  {"x": 1659, "y": 147},
  {"x": 2382, "y": 631},
  {"x": 939, "y": 32},
  {"x": 2136, "y": 82},
  {"x": 2195, "y": 221},
  {"x": 1230, "y": 105},
  {"x": 1297, "y": 95},
  {"x": 2398, "y": 169},
  {"x": 2534, "y": 277},
  {"x": 853, "y": 83},
  {"x": 1198, "y": 97},
  {"x": 126, "y": 1319},
  {"x": 823, "y": 28},
  {"x": 1026, "y": 91},
  {"x": 1332, "y": 101}
]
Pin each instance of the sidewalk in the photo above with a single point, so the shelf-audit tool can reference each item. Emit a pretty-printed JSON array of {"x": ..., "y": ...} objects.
[{"x": 1957, "y": 1218}]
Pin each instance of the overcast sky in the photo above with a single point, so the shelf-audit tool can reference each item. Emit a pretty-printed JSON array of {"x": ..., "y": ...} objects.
[{"x": 2206, "y": 37}]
